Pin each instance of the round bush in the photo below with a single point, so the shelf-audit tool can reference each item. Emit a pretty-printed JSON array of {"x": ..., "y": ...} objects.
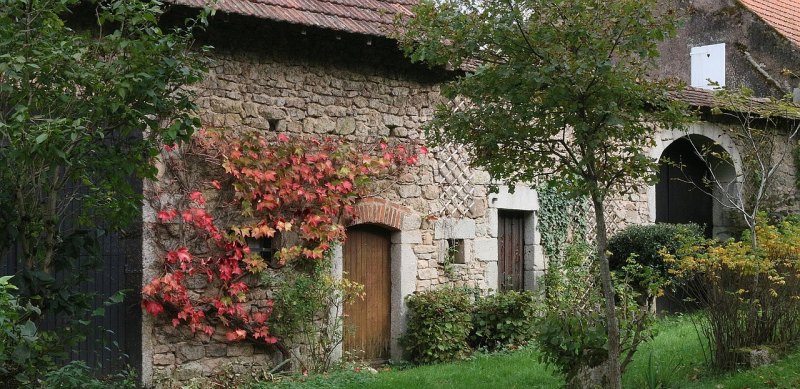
[
  {"x": 439, "y": 322},
  {"x": 645, "y": 241},
  {"x": 504, "y": 319}
]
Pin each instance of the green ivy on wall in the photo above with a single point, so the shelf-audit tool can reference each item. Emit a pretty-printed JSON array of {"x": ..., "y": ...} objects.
[{"x": 562, "y": 220}]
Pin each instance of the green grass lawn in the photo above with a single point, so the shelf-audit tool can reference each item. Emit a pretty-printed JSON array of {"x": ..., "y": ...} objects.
[{"x": 674, "y": 359}]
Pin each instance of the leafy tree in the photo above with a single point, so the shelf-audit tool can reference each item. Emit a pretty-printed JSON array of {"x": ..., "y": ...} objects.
[
  {"x": 88, "y": 91},
  {"x": 559, "y": 91},
  {"x": 75, "y": 98}
]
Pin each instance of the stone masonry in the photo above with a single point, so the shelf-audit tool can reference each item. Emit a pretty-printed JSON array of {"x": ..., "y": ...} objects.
[{"x": 361, "y": 91}]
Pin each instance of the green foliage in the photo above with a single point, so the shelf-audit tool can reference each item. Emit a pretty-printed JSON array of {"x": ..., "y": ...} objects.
[
  {"x": 556, "y": 89},
  {"x": 572, "y": 343},
  {"x": 561, "y": 220},
  {"x": 19, "y": 337},
  {"x": 75, "y": 96},
  {"x": 74, "y": 100},
  {"x": 304, "y": 295},
  {"x": 749, "y": 294},
  {"x": 572, "y": 333},
  {"x": 336, "y": 380},
  {"x": 76, "y": 375},
  {"x": 89, "y": 91},
  {"x": 643, "y": 244},
  {"x": 27, "y": 352},
  {"x": 673, "y": 359},
  {"x": 546, "y": 66},
  {"x": 504, "y": 319},
  {"x": 438, "y": 325}
]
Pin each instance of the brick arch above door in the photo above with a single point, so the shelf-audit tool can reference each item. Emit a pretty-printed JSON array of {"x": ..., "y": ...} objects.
[
  {"x": 384, "y": 213},
  {"x": 404, "y": 225}
]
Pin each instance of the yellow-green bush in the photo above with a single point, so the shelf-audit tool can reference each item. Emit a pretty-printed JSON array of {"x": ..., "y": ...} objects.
[{"x": 750, "y": 288}]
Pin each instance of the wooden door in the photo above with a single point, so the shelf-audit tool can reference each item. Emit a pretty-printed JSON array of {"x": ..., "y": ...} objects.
[
  {"x": 511, "y": 249},
  {"x": 367, "y": 261}
]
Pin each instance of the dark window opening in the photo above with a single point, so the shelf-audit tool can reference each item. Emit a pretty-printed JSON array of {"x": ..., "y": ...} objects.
[{"x": 455, "y": 251}]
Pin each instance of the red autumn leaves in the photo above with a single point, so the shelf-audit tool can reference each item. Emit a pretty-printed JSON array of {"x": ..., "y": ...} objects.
[{"x": 299, "y": 186}]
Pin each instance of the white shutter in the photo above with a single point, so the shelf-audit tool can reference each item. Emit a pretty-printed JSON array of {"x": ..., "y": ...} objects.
[{"x": 708, "y": 63}]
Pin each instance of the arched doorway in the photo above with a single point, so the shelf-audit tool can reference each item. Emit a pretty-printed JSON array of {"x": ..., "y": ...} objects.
[
  {"x": 367, "y": 322},
  {"x": 691, "y": 188},
  {"x": 693, "y": 172},
  {"x": 683, "y": 190}
]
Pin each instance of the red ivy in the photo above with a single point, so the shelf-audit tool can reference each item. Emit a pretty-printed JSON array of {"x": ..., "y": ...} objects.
[{"x": 303, "y": 185}]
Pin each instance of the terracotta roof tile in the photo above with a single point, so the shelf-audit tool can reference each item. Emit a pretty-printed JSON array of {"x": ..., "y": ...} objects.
[
  {"x": 375, "y": 17},
  {"x": 782, "y": 15},
  {"x": 703, "y": 98},
  {"x": 370, "y": 17}
]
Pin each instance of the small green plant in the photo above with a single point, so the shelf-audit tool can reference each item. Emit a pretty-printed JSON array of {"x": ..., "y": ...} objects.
[
  {"x": 77, "y": 375},
  {"x": 504, "y": 319},
  {"x": 229, "y": 375},
  {"x": 307, "y": 308},
  {"x": 572, "y": 342},
  {"x": 451, "y": 257},
  {"x": 440, "y": 322}
]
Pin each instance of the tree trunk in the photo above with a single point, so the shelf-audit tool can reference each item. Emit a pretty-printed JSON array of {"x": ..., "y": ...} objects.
[{"x": 601, "y": 236}]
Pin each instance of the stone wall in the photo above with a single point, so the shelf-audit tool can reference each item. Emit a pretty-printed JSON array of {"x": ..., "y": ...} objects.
[
  {"x": 782, "y": 196},
  {"x": 361, "y": 106},
  {"x": 292, "y": 90},
  {"x": 312, "y": 83}
]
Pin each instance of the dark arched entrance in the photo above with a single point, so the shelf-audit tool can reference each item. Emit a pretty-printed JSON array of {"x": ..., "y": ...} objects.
[
  {"x": 685, "y": 193},
  {"x": 682, "y": 192}
]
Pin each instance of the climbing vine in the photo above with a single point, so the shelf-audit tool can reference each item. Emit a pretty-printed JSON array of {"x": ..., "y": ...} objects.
[
  {"x": 300, "y": 189},
  {"x": 562, "y": 220}
]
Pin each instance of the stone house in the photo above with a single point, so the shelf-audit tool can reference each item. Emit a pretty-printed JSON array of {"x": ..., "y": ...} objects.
[{"x": 331, "y": 67}]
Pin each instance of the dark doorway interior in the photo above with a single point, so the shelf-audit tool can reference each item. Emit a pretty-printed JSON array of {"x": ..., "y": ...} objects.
[{"x": 681, "y": 195}]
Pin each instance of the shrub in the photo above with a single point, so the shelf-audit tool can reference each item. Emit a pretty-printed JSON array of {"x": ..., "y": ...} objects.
[
  {"x": 307, "y": 312},
  {"x": 504, "y": 319},
  {"x": 438, "y": 326},
  {"x": 20, "y": 341},
  {"x": 572, "y": 333},
  {"x": 643, "y": 246},
  {"x": 751, "y": 295},
  {"x": 645, "y": 243}
]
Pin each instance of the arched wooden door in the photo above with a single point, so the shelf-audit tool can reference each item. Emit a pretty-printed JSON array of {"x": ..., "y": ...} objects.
[{"x": 367, "y": 261}]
